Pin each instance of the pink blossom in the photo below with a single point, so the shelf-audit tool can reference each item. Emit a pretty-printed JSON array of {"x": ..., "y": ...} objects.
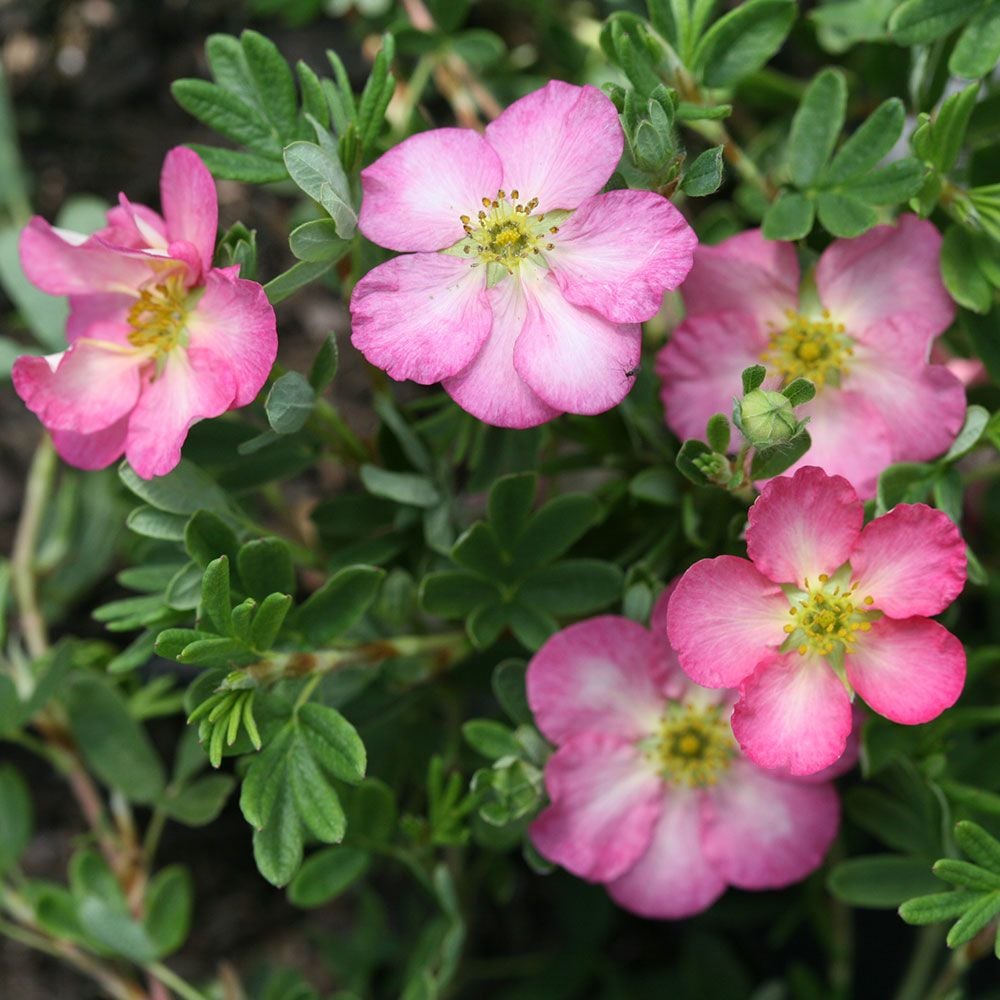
[
  {"x": 649, "y": 792},
  {"x": 521, "y": 288},
  {"x": 158, "y": 338},
  {"x": 822, "y": 609},
  {"x": 862, "y": 333}
]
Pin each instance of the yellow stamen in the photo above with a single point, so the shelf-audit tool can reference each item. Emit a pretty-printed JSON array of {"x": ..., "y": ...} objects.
[
  {"x": 808, "y": 347},
  {"x": 695, "y": 745}
]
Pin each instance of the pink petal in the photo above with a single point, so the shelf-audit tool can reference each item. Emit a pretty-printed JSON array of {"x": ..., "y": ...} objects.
[
  {"x": 103, "y": 316},
  {"x": 59, "y": 266},
  {"x": 85, "y": 389},
  {"x": 421, "y": 316},
  {"x": 133, "y": 226},
  {"x": 234, "y": 322},
  {"x": 559, "y": 144},
  {"x": 605, "y": 802},
  {"x": 793, "y": 715},
  {"x": 910, "y": 671},
  {"x": 724, "y": 618},
  {"x": 92, "y": 451},
  {"x": 923, "y": 405},
  {"x": 414, "y": 194},
  {"x": 762, "y": 831},
  {"x": 700, "y": 368},
  {"x": 673, "y": 878},
  {"x": 191, "y": 387},
  {"x": 746, "y": 274},
  {"x": 190, "y": 202},
  {"x": 602, "y": 674},
  {"x": 619, "y": 252},
  {"x": 803, "y": 525},
  {"x": 911, "y": 561},
  {"x": 850, "y": 438},
  {"x": 490, "y": 388},
  {"x": 890, "y": 271},
  {"x": 574, "y": 359}
]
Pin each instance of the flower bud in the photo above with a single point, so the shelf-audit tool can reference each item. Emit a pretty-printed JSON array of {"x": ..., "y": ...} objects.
[{"x": 767, "y": 417}]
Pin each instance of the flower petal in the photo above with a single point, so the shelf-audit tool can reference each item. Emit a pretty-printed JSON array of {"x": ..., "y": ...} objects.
[
  {"x": 490, "y": 388},
  {"x": 422, "y": 316},
  {"x": 92, "y": 451},
  {"x": 724, "y": 618},
  {"x": 911, "y": 561},
  {"x": 701, "y": 365},
  {"x": 191, "y": 387},
  {"x": 63, "y": 263},
  {"x": 103, "y": 316},
  {"x": 605, "y": 803},
  {"x": 803, "y": 525},
  {"x": 602, "y": 674},
  {"x": 414, "y": 194},
  {"x": 923, "y": 405},
  {"x": 673, "y": 878},
  {"x": 85, "y": 389},
  {"x": 559, "y": 144},
  {"x": 910, "y": 671},
  {"x": 619, "y": 252},
  {"x": 793, "y": 715},
  {"x": 573, "y": 358},
  {"x": 762, "y": 831},
  {"x": 234, "y": 322},
  {"x": 850, "y": 438},
  {"x": 190, "y": 202},
  {"x": 890, "y": 271},
  {"x": 746, "y": 274}
]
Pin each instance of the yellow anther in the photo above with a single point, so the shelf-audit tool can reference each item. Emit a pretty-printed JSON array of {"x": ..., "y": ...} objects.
[
  {"x": 507, "y": 234},
  {"x": 159, "y": 315},
  {"x": 695, "y": 745},
  {"x": 814, "y": 348}
]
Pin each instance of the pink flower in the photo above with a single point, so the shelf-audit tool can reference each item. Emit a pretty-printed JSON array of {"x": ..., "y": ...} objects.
[
  {"x": 158, "y": 338},
  {"x": 824, "y": 609},
  {"x": 521, "y": 288},
  {"x": 862, "y": 334},
  {"x": 649, "y": 792}
]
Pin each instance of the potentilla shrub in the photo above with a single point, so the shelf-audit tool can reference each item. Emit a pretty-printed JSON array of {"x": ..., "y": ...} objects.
[{"x": 653, "y": 631}]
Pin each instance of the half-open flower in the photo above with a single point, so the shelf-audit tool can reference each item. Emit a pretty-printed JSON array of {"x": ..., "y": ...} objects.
[{"x": 158, "y": 338}]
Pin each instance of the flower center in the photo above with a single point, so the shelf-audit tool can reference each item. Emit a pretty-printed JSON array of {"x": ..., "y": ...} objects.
[
  {"x": 504, "y": 231},
  {"x": 816, "y": 349},
  {"x": 827, "y": 617},
  {"x": 159, "y": 315},
  {"x": 695, "y": 745}
]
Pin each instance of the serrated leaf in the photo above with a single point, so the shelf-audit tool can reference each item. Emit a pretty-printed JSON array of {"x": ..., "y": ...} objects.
[
  {"x": 238, "y": 165},
  {"x": 273, "y": 82},
  {"x": 227, "y": 114}
]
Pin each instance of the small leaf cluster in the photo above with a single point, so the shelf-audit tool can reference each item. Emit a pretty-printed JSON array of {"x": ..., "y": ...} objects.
[{"x": 510, "y": 571}]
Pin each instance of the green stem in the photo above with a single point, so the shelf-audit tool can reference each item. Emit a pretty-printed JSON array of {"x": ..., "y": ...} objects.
[
  {"x": 172, "y": 981},
  {"x": 921, "y": 964},
  {"x": 151, "y": 840},
  {"x": 306, "y": 693},
  {"x": 415, "y": 87},
  {"x": 328, "y": 421}
]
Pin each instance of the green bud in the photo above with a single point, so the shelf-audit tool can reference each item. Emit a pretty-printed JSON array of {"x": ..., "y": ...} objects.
[{"x": 767, "y": 417}]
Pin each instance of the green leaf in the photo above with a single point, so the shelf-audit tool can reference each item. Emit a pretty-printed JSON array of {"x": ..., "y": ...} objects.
[
  {"x": 268, "y": 621},
  {"x": 976, "y": 419},
  {"x": 790, "y": 217},
  {"x": 965, "y": 875},
  {"x": 324, "y": 366},
  {"x": 916, "y": 22},
  {"x": 15, "y": 817},
  {"x": 742, "y": 41},
  {"x": 152, "y": 523},
  {"x": 977, "y": 50},
  {"x": 772, "y": 461},
  {"x": 200, "y": 802},
  {"x": 530, "y": 624},
  {"x": 573, "y": 586},
  {"x": 753, "y": 378},
  {"x": 115, "y": 930},
  {"x": 816, "y": 126},
  {"x": 975, "y": 919},
  {"x": 454, "y": 594},
  {"x": 227, "y": 114},
  {"x": 966, "y": 284},
  {"x": 318, "y": 241},
  {"x": 237, "y": 165},
  {"x": 321, "y": 176},
  {"x": 169, "y": 903},
  {"x": 552, "y": 530},
  {"x": 979, "y": 845},
  {"x": 895, "y": 182},
  {"x": 289, "y": 403},
  {"x": 486, "y": 623},
  {"x": 372, "y": 811},
  {"x": 509, "y": 506},
  {"x": 273, "y": 82},
  {"x": 844, "y": 215},
  {"x": 904, "y": 482},
  {"x": 948, "y": 127},
  {"x": 478, "y": 550},
  {"x": 216, "y": 604},
  {"x": 401, "y": 487},
  {"x": 298, "y": 276},
  {"x": 207, "y": 536},
  {"x": 704, "y": 176},
  {"x": 510, "y": 688},
  {"x": 881, "y": 881},
  {"x": 339, "y": 603},
  {"x": 265, "y": 566},
  {"x": 491, "y": 739},
  {"x": 689, "y": 452},
  {"x": 799, "y": 391},
  {"x": 326, "y": 874},
  {"x": 184, "y": 490},
  {"x": 183, "y": 592},
  {"x": 717, "y": 433},
  {"x": 982, "y": 331},
  {"x": 937, "y": 907},
  {"x": 115, "y": 747},
  {"x": 872, "y": 140}
]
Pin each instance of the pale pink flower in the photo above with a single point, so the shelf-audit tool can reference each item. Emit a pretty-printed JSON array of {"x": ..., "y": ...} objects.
[
  {"x": 822, "y": 609},
  {"x": 862, "y": 332},
  {"x": 158, "y": 338},
  {"x": 521, "y": 288},
  {"x": 649, "y": 791}
]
